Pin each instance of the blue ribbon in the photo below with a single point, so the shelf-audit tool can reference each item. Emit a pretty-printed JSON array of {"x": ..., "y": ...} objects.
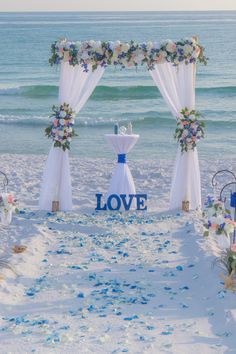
[
  {"x": 233, "y": 200},
  {"x": 121, "y": 158}
]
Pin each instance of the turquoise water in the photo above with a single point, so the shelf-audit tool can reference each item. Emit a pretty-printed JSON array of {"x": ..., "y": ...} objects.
[{"x": 28, "y": 85}]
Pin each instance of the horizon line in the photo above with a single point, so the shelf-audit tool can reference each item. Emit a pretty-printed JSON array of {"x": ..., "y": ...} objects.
[{"x": 92, "y": 11}]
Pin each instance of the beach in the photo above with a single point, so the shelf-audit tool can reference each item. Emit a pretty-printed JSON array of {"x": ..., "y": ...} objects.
[
  {"x": 110, "y": 282},
  {"x": 139, "y": 282}
]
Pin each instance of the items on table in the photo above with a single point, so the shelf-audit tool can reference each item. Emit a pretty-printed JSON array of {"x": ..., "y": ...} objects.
[
  {"x": 130, "y": 128},
  {"x": 123, "y": 130},
  {"x": 116, "y": 128}
]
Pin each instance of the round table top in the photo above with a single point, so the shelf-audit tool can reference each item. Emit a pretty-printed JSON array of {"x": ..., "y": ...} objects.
[
  {"x": 122, "y": 144},
  {"x": 122, "y": 135}
]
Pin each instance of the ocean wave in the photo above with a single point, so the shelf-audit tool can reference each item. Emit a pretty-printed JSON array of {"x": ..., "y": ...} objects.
[
  {"x": 147, "y": 117},
  {"x": 155, "y": 119},
  {"x": 30, "y": 91},
  {"x": 118, "y": 20},
  {"x": 109, "y": 93}
]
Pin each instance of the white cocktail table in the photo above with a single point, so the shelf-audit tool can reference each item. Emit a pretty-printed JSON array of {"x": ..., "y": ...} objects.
[{"x": 122, "y": 181}]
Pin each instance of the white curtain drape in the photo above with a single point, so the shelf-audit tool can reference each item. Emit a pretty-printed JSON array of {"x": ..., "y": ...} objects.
[
  {"x": 75, "y": 88},
  {"x": 177, "y": 86}
]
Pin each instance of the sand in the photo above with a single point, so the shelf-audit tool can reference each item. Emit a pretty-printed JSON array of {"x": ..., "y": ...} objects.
[{"x": 109, "y": 282}]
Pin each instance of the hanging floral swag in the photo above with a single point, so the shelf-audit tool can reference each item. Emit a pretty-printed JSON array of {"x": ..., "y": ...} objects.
[
  {"x": 190, "y": 129},
  {"x": 127, "y": 54},
  {"x": 61, "y": 129}
]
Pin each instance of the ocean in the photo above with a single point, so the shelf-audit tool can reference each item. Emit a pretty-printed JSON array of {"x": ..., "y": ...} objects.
[{"x": 29, "y": 86}]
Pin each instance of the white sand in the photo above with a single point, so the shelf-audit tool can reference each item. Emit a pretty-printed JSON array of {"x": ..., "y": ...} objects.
[{"x": 108, "y": 283}]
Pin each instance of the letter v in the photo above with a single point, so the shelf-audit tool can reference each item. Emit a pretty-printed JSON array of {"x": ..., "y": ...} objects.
[{"x": 123, "y": 198}]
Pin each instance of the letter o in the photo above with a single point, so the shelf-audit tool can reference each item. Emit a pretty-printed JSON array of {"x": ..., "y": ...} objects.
[{"x": 109, "y": 202}]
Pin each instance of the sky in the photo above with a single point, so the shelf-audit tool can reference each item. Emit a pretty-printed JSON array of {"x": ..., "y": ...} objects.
[{"x": 116, "y": 5}]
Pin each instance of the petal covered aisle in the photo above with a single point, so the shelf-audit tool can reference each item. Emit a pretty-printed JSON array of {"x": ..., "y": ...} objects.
[{"x": 110, "y": 282}]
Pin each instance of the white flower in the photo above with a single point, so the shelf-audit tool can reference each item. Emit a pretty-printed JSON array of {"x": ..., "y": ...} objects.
[
  {"x": 117, "y": 44},
  {"x": 163, "y": 53},
  {"x": 62, "y": 121},
  {"x": 229, "y": 229},
  {"x": 149, "y": 45},
  {"x": 62, "y": 114},
  {"x": 67, "y": 45},
  {"x": 171, "y": 46},
  {"x": 176, "y": 61},
  {"x": 92, "y": 43},
  {"x": 111, "y": 45},
  {"x": 84, "y": 45},
  {"x": 164, "y": 43},
  {"x": 219, "y": 219},
  {"x": 61, "y": 43},
  {"x": 98, "y": 45},
  {"x": 187, "y": 49},
  {"x": 125, "y": 47},
  {"x": 78, "y": 45},
  {"x": 85, "y": 55}
]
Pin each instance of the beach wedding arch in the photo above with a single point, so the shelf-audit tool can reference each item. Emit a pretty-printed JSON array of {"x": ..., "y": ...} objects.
[{"x": 172, "y": 65}]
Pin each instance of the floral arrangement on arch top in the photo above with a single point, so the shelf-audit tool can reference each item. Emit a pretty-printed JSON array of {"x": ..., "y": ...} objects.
[{"x": 127, "y": 54}]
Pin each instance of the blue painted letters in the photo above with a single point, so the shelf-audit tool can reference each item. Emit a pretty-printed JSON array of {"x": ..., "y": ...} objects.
[{"x": 122, "y": 202}]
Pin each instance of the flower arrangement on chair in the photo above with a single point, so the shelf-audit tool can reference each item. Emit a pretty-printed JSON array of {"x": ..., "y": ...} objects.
[
  {"x": 222, "y": 221},
  {"x": 7, "y": 206},
  {"x": 218, "y": 218}
]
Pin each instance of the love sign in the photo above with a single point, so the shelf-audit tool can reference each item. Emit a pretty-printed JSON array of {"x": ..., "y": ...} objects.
[{"x": 121, "y": 201}]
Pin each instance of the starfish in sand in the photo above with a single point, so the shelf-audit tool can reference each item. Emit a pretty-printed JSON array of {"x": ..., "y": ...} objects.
[{"x": 229, "y": 282}]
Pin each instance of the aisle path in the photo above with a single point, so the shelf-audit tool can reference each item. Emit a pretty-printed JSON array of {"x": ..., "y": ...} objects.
[{"x": 108, "y": 284}]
